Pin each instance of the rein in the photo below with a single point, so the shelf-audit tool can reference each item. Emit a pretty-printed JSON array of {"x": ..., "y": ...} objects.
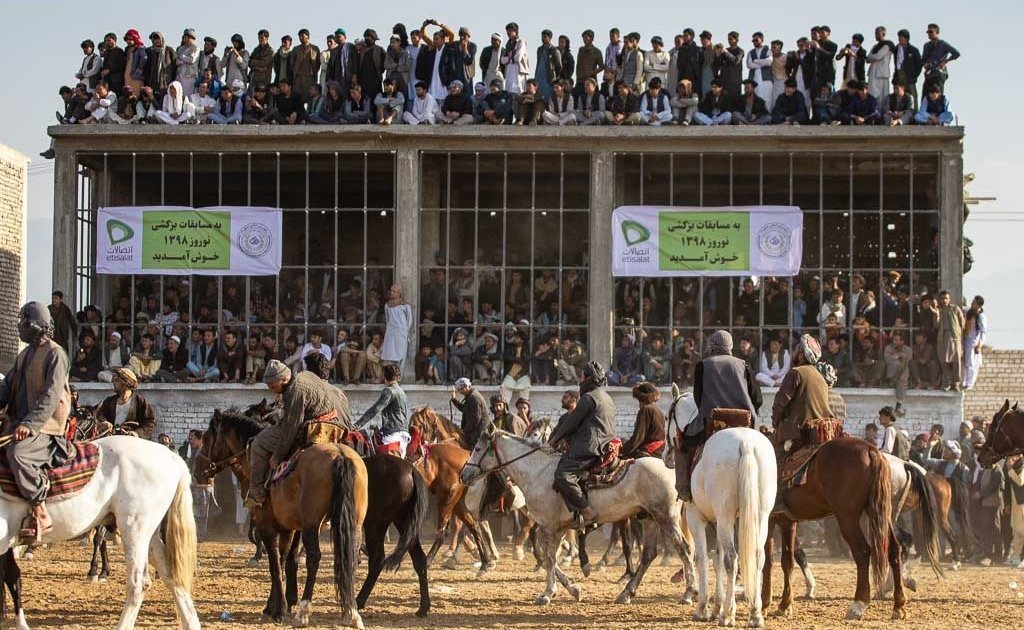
[
  {"x": 214, "y": 467},
  {"x": 501, "y": 465}
]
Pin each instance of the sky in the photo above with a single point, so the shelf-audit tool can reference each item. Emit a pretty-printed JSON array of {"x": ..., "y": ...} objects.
[{"x": 978, "y": 88}]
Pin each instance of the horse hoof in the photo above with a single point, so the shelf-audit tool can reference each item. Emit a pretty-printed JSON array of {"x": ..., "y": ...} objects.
[
  {"x": 92, "y": 578},
  {"x": 756, "y": 621},
  {"x": 687, "y": 597},
  {"x": 678, "y": 577},
  {"x": 542, "y": 600},
  {"x": 252, "y": 563},
  {"x": 701, "y": 616},
  {"x": 519, "y": 554},
  {"x": 955, "y": 566},
  {"x": 586, "y": 570},
  {"x": 726, "y": 621},
  {"x": 623, "y": 598},
  {"x": 785, "y": 613},
  {"x": 911, "y": 584},
  {"x": 450, "y": 563},
  {"x": 576, "y": 592},
  {"x": 856, "y": 611},
  {"x": 422, "y": 612},
  {"x": 538, "y": 568}
]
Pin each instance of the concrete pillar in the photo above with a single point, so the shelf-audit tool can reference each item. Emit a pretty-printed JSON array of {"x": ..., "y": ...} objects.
[
  {"x": 602, "y": 287},
  {"x": 65, "y": 202},
  {"x": 951, "y": 224},
  {"x": 407, "y": 256}
]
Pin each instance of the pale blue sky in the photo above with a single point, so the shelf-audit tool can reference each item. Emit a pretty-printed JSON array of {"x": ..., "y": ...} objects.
[{"x": 43, "y": 37}]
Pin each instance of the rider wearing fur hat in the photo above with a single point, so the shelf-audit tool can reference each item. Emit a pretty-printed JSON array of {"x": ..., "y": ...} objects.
[
  {"x": 37, "y": 400},
  {"x": 588, "y": 429}
]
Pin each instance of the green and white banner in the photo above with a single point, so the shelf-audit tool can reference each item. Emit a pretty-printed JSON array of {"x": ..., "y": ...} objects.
[
  {"x": 237, "y": 241},
  {"x": 729, "y": 241}
]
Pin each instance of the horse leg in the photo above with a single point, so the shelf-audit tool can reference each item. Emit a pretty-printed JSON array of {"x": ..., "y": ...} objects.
[
  {"x": 255, "y": 540},
  {"x": 606, "y": 558},
  {"x": 535, "y": 544},
  {"x": 135, "y": 555},
  {"x": 584, "y": 556},
  {"x": 94, "y": 570},
  {"x": 288, "y": 547},
  {"x": 104, "y": 560},
  {"x": 899, "y": 597},
  {"x": 628, "y": 538},
  {"x": 486, "y": 562},
  {"x": 444, "y": 516},
  {"x": 700, "y": 543},
  {"x": 523, "y": 525},
  {"x": 854, "y": 536},
  {"x": 184, "y": 607},
  {"x": 766, "y": 571},
  {"x": 419, "y": 563},
  {"x": 805, "y": 568},
  {"x": 274, "y": 609},
  {"x": 725, "y": 572},
  {"x": 682, "y": 543},
  {"x": 648, "y": 553},
  {"x": 374, "y": 563},
  {"x": 12, "y": 579},
  {"x": 553, "y": 545},
  {"x": 311, "y": 542},
  {"x": 492, "y": 548},
  {"x": 788, "y": 530}
]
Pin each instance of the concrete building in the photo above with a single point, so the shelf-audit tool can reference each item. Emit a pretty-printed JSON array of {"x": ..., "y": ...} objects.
[
  {"x": 464, "y": 217},
  {"x": 13, "y": 220}
]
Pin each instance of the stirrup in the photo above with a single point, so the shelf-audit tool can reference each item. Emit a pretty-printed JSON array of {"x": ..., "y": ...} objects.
[
  {"x": 30, "y": 533},
  {"x": 583, "y": 524}
]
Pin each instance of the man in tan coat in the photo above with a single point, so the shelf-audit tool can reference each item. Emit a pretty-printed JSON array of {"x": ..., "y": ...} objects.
[
  {"x": 949, "y": 344},
  {"x": 37, "y": 399}
]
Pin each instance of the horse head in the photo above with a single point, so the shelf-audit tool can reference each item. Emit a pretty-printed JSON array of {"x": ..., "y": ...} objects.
[
  {"x": 224, "y": 442},
  {"x": 484, "y": 458},
  {"x": 1005, "y": 435}
]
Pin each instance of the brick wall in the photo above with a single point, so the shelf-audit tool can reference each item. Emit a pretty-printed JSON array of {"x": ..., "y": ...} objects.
[
  {"x": 13, "y": 176},
  {"x": 180, "y": 407},
  {"x": 1001, "y": 377}
]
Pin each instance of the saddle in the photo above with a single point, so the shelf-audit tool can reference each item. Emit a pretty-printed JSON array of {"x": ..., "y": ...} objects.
[
  {"x": 324, "y": 429},
  {"x": 66, "y": 479},
  {"x": 720, "y": 419},
  {"x": 814, "y": 435},
  {"x": 610, "y": 470}
]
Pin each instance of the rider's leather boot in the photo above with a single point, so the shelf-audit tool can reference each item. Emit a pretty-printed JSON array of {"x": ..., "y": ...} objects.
[{"x": 683, "y": 457}]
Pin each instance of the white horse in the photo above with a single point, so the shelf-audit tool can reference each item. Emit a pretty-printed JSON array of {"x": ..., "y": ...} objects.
[
  {"x": 138, "y": 484},
  {"x": 735, "y": 478},
  {"x": 648, "y": 486}
]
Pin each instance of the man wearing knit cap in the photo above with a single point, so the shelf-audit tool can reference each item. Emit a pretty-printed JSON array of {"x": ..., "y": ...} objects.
[
  {"x": 719, "y": 381},
  {"x": 308, "y": 404}
]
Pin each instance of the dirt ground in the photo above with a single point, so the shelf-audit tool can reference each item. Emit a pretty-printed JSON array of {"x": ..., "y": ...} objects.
[{"x": 58, "y": 597}]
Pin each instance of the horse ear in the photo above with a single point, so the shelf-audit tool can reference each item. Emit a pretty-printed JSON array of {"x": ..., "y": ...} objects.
[
  {"x": 1005, "y": 408},
  {"x": 1015, "y": 406},
  {"x": 216, "y": 415}
]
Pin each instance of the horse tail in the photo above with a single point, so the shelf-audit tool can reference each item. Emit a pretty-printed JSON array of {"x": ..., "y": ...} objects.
[
  {"x": 749, "y": 506},
  {"x": 929, "y": 514},
  {"x": 181, "y": 535},
  {"x": 879, "y": 514},
  {"x": 962, "y": 510},
  {"x": 343, "y": 531},
  {"x": 415, "y": 514}
]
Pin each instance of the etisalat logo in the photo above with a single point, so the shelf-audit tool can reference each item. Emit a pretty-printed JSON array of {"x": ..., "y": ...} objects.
[
  {"x": 635, "y": 234},
  {"x": 119, "y": 232}
]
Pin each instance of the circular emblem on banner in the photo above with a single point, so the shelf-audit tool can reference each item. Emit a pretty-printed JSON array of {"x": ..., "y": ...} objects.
[
  {"x": 254, "y": 239},
  {"x": 774, "y": 240}
]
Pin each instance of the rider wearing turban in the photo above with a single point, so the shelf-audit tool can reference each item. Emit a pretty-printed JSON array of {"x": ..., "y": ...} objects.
[
  {"x": 507, "y": 420},
  {"x": 803, "y": 394},
  {"x": 719, "y": 381},
  {"x": 37, "y": 401},
  {"x": 588, "y": 428},
  {"x": 127, "y": 409}
]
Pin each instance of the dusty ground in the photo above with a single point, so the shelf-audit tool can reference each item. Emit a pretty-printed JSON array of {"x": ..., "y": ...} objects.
[{"x": 57, "y": 597}]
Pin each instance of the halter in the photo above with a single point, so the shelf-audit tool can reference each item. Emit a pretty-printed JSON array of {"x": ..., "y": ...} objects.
[
  {"x": 215, "y": 467},
  {"x": 501, "y": 465}
]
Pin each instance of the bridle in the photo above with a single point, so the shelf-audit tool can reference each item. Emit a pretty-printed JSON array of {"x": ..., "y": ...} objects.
[
  {"x": 501, "y": 464},
  {"x": 1000, "y": 430},
  {"x": 215, "y": 467}
]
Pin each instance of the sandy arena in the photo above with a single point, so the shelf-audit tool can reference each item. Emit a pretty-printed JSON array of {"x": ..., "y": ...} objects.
[{"x": 58, "y": 597}]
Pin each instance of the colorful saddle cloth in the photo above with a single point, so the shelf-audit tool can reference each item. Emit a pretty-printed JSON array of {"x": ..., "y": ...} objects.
[{"x": 66, "y": 480}]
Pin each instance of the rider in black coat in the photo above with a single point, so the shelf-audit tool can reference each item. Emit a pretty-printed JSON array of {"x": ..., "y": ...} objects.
[{"x": 588, "y": 428}]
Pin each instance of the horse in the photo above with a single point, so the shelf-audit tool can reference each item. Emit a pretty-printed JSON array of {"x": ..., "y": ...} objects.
[
  {"x": 398, "y": 496},
  {"x": 328, "y": 483},
  {"x": 1005, "y": 435},
  {"x": 847, "y": 478},
  {"x": 144, "y": 487},
  {"x": 88, "y": 428},
  {"x": 441, "y": 464},
  {"x": 735, "y": 479},
  {"x": 647, "y": 485}
]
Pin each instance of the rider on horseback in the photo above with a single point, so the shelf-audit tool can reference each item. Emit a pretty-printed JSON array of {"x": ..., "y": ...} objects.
[
  {"x": 507, "y": 420},
  {"x": 37, "y": 401},
  {"x": 803, "y": 397},
  {"x": 474, "y": 412},
  {"x": 588, "y": 428},
  {"x": 720, "y": 381},
  {"x": 393, "y": 408},
  {"x": 649, "y": 429},
  {"x": 308, "y": 402}
]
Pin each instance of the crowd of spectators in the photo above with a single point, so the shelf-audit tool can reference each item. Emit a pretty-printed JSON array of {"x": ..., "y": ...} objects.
[{"x": 435, "y": 75}]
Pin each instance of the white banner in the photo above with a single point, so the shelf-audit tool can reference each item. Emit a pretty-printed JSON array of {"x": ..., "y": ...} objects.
[
  {"x": 167, "y": 240},
  {"x": 729, "y": 241}
]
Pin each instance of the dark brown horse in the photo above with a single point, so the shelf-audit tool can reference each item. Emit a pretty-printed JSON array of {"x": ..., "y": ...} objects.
[
  {"x": 329, "y": 482},
  {"x": 847, "y": 478},
  {"x": 1005, "y": 435}
]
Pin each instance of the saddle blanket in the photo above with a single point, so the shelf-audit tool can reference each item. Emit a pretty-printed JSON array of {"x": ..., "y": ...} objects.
[
  {"x": 286, "y": 468},
  {"x": 66, "y": 480},
  {"x": 794, "y": 469},
  {"x": 607, "y": 477}
]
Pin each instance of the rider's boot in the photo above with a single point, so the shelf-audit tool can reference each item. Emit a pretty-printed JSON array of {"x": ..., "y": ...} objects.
[
  {"x": 683, "y": 457},
  {"x": 36, "y": 524},
  {"x": 258, "y": 468}
]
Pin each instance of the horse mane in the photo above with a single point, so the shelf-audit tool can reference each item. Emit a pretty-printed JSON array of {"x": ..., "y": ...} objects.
[
  {"x": 545, "y": 448},
  {"x": 434, "y": 419},
  {"x": 234, "y": 418}
]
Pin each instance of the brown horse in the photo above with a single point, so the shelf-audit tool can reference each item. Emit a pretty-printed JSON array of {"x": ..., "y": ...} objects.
[
  {"x": 847, "y": 478},
  {"x": 1005, "y": 435},
  {"x": 329, "y": 482}
]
